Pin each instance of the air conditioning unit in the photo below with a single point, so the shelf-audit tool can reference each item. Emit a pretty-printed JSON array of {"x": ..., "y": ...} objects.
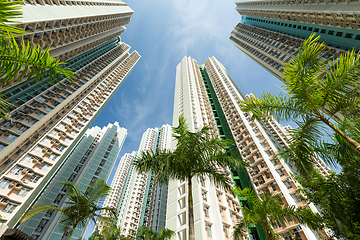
[{"x": 25, "y": 181}]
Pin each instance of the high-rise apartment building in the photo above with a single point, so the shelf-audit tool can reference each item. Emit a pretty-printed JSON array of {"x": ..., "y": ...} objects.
[
  {"x": 92, "y": 158},
  {"x": 335, "y": 13},
  {"x": 50, "y": 120},
  {"x": 118, "y": 182},
  {"x": 69, "y": 28},
  {"x": 139, "y": 202},
  {"x": 215, "y": 211},
  {"x": 271, "y": 32},
  {"x": 206, "y": 94}
]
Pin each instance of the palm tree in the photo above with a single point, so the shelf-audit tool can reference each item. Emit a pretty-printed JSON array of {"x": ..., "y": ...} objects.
[
  {"x": 317, "y": 94},
  {"x": 109, "y": 231},
  {"x": 23, "y": 59},
  {"x": 81, "y": 206},
  {"x": 268, "y": 211},
  {"x": 149, "y": 234},
  {"x": 197, "y": 155}
]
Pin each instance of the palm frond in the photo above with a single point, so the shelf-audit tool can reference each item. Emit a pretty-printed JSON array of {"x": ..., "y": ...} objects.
[
  {"x": 302, "y": 76},
  {"x": 305, "y": 216},
  {"x": 338, "y": 151},
  {"x": 15, "y": 59},
  {"x": 280, "y": 107},
  {"x": 4, "y": 106},
  {"x": 239, "y": 232},
  {"x": 97, "y": 189},
  {"x": 249, "y": 194},
  {"x": 37, "y": 209},
  {"x": 340, "y": 85},
  {"x": 300, "y": 150},
  {"x": 166, "y": 234},
  {"x": 9, "y": 10}
]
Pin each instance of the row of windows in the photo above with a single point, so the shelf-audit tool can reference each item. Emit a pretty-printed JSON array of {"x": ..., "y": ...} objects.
[{"x": 311, "y": 29}]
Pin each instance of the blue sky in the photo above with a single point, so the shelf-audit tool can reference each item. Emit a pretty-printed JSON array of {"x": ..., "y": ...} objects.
[{"x": 163, "y": 32}]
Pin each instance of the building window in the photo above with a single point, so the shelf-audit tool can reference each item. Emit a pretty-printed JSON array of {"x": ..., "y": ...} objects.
[
  {"x": 58, "y": 198},
  {"x": 295, "y": 197},
  {"x": 102, "y": 163},
  {"x": 206, "y": 211},
  {"x": 72, "y": 177},
  {"x": 4, "y": 183},
  {"x": 226, "y": 232},
  {"x": 273, "y": 187},
  {"x": 11, "y": 138},
  {"x": 208, "y": 230},
  {"x": 331, "y": 32},
  {"x": 339, "y": 34},
  {"x": 280, "y": 172},
  {"x": 98, "y": 171},
  {"x": 47, "y": 140},
  {"x": 348, "y": 35},
  {"x": 49, "y": 213},
  {"x": 268, "y": 152},
  {"x": 38, "y": 149},
  {"x": 53, "y": 156},
  {"x": 10, "y": 207},
  {"x": 60, "y": 148},
  {"x": 274, "y": 162},
  {"x": 287, "y": 184},
  {"x": 23, "y": 191},
  {"x": 17, "y": 170},
  {"x": 261, "y": 180},
  {"x": 31, "y": 121},
  {"x": 204, "y": 195},
  {"x": 297, "y": 234},
  {"x": 34, "y": 178},
  {"x": 222, "y": 212},
  {"x": 44, "y": 166},
  {"x": 28, "y": 159},
  {"x": 218, "y": 196}
]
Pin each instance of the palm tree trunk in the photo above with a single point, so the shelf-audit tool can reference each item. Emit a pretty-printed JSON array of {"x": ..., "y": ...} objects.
[
  {"x": 268, "y": 231},
  {"x": 71, "y": 233},
  {"x": 191, "y": 211},
  {"x": 350, "y": 141}
]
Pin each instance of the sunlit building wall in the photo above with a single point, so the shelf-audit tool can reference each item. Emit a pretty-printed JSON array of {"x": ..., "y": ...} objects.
[{"x": 41, "y": 132}]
